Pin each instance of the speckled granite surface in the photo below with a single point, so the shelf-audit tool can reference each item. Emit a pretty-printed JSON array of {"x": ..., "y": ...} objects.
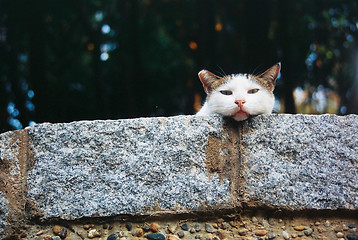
[{"x": 176, "y": 165}]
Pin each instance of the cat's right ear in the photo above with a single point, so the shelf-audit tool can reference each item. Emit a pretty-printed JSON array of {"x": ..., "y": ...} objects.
[{"x": 207, "y": 78}]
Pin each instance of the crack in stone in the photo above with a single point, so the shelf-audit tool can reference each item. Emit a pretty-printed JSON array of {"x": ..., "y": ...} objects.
[
  {"x": 224, "y": 157},
  {"x": 13, "y": 178}
]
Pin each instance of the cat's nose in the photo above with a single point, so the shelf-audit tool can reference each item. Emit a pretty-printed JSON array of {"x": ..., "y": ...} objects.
[{"x": 240, "y": 103}]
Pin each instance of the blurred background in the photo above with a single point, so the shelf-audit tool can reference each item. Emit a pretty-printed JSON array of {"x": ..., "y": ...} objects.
[{"x": 66, "y": 60}]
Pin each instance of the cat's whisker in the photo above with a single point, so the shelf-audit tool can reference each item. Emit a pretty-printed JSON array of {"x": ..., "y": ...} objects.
[
  {"x": 254, "y": 72},
  {"x": 222, "y": 73}
]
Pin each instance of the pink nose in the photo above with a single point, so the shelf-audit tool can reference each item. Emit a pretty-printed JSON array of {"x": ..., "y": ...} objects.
[{"x": 240, "y": 103}]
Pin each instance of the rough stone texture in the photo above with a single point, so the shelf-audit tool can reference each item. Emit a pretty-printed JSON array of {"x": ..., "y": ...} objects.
[
  {"x": 15, "y": 161},
  {"x": 302, "y": 161},
  {"x": 4, "y": 213},
  {"x": 135, "y": 166},
  {"x": 178, "y": 165}
]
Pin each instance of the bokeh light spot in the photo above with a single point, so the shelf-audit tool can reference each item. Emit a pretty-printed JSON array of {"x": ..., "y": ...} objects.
[
  {"x": 218, "y": 27},
  {"x": 104, "y": 56},
  {"x": 193, "y": 45},
  {"x": 106, "y": 29}
]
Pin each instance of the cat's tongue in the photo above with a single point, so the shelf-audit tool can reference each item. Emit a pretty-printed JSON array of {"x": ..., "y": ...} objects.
[
  {"x": 241, "y": 112},
  {"x": 241, "y": 115}
]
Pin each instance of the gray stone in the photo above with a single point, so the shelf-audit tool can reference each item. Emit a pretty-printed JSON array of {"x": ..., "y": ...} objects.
[
  {"x": 351, "y": 225},
  {"x": 155, "y": 236},
  {"x": 108, "y": 168},
  {"x": 185, "y": 227},
  {"x": 128, "y": 226},
  {"x": 178, "y": 165},
  {"x": 352, "y": 236},
  {"x": 113, "y": 236},
  {"x": 308, "y": 232},
  {"x": 209, "y": 228},
  {"x": 181, "y": 234},
  {"x": 301, "y": 161},
  {"x": 285, "y": 235},
  {"x": 4, "y": 213},
  {"x": 197, "y": 227},
  {"x": 270, "y": 235}
]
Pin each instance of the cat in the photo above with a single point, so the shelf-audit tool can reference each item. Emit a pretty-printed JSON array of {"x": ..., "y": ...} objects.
[{"x": 239, "y": 95}]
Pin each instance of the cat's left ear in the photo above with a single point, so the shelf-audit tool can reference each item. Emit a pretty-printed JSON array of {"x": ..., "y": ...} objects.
[
  {"x": 207, "y": 78},
  {"x": 270, "y": 75}
]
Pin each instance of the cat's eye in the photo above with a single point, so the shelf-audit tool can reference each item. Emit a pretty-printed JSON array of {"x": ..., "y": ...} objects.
[
  {"x": 226, "y": 92},
  {"x": 252, "y": 91}
]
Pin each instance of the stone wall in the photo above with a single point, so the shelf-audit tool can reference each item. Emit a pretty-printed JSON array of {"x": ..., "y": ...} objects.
[{"x": 177, "y": 165}]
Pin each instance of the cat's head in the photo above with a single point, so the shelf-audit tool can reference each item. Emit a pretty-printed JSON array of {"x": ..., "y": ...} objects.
[{"x": 240, "y": 95}]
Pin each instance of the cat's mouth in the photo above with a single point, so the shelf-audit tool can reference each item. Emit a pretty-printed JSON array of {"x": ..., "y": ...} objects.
[{"x": 241, "y": 115}]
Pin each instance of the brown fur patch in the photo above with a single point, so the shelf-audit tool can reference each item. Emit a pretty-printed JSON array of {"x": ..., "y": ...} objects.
[
  {"x": 266, "y": 84},
  {"x": 266, "y": 79},
  {"x": 221, "y": 81}
]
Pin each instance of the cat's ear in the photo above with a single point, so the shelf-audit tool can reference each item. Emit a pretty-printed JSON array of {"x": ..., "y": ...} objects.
[
  {"x": 207, "y": 78},
  {"x": 269, "y": 77}
]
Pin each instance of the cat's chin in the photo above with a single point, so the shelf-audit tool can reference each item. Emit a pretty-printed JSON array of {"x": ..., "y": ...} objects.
[{"x": 241, "y": 116}]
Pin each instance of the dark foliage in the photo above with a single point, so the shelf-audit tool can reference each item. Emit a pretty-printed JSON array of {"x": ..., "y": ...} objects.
[{"x": 68, "y": 60}]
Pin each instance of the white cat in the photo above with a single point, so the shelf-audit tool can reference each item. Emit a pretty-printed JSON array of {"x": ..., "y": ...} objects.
[{"x": 239, "y": 95}]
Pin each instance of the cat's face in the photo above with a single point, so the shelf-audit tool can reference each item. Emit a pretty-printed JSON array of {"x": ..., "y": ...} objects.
[{"x": 241, "y": 95}]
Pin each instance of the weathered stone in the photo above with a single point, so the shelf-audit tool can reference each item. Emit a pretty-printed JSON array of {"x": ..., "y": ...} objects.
[
  {"x": 209, "y": 228},
  {"x": 63, "y": 233},
  {"x": 81, "y": 167},
  {"x": 340, "y": 235},
  {"x": 113, "y": 236},
  {"x": 4, "y": 212},
  {"x": 338, "y": 228},
  {"x": 197, "y": 227},
  {"x": 260, "y": 232},
  {"x": 94, "y": 233},
  {"x": 128, "y": 226},
  {"x": 171, "y": 229},
  {"x": 181, "y": 234},
  {"x": 352, "y": 236},
  {"x": 56, "y": 229},
  {"x": 16, "y": 159},
  {"x": 47, "y": 237},
  {"x": 185, "y": 227},
  {"x": 221, "y": 234},
  {"x": 308, "y": 231},
  {"x": 155, "y": 236},
  {"x": 172, "y": 237},
  {"x": 285, "y": 235},
  {"x": 182, "y": 164},
  {"x": 243, "y": 232},
  {"x": 271, "y": 235},
  {"x": 300, "y": 228},
  {"x": 351, "y": 225},
  {"x": 146, "y": 227},
  {"x": 327, "y": 223},
  {"x": 139, "y": 232},
  {"x": 301, "y": 161},
  {"x": 154, "y": 227}
]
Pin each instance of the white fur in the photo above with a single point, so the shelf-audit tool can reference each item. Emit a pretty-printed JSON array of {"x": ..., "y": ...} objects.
[{"x": 261, "y": 102}]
